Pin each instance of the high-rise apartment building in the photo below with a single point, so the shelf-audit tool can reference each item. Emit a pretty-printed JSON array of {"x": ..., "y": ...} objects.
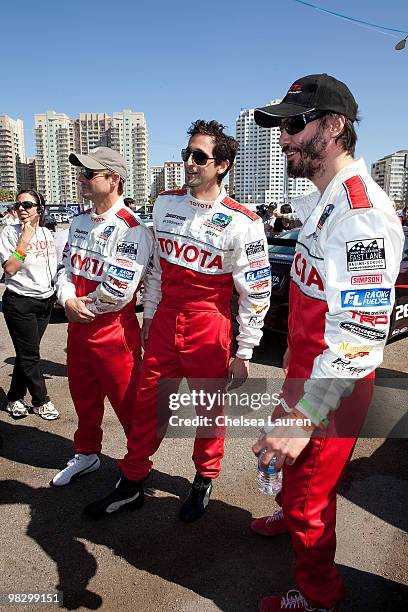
[
  {"x": 260, "y": 169},
  {"x": 230, "y": 185},
  {"x": 93, "y": 131},
  {"x": 28, "y": 174},
  {"x": 128, "y": 135},
  {"x": 55, "y": 139},
  {"x": 173, "y": 175},
  {"x": 12, "y": 152},
  {"x": 166, "y": 177},
  {"x": 58, "y": 135},
  {"x": 391, "y": 173},
  {"x": 156, "y": 181}
]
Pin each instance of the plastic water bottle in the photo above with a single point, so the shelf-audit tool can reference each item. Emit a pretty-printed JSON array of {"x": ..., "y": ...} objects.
[{"x": 269, "y": 478}]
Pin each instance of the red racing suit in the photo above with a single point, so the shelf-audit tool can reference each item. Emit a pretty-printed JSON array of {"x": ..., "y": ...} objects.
[
  {"x": 105, "y": 259},
  {"x": 202, "y": 250},
  {"x": 342, "y": 293}
]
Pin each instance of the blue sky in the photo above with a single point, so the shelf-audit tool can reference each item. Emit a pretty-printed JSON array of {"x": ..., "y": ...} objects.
[{"x": 178, "y": 61}]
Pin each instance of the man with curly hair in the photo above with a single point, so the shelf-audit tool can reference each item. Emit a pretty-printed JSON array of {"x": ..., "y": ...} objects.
[{"x": 205, "y": 244}]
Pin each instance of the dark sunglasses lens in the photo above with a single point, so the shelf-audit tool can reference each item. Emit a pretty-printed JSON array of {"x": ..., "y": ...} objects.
[
  {"x": 88, "y": 174},
  {"x": 294, "y": 125},
  {"x": 25, "y": 205},
  {"x": 200, "y": 158}
]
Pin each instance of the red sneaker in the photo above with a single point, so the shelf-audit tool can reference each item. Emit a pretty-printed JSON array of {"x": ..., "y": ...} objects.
[
  {"x": 293, "y": 600},
  {"x": 270, "y": 525}
]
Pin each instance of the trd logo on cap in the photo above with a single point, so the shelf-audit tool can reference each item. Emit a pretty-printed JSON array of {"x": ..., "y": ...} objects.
[{"x": 295, "y": 88}]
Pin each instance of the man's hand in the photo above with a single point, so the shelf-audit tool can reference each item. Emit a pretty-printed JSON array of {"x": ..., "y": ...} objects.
[
  {"x": 286, "y": 443},
  {"x": 238, "y": 369},
  {"x": 77, "y": 312},
  {"x": 144, "y": 334}
]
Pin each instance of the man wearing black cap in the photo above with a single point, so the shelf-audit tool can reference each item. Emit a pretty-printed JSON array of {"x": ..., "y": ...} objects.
[
  {"x": 104, "y": 261},
  {"x": 341, "y": 297}
]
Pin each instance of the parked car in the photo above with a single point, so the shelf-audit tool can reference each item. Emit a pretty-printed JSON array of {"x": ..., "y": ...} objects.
[
  {"x": 281, "y": 252},
  {"x": 147, "y": 219},
  {"x": 50, "y": 223}
]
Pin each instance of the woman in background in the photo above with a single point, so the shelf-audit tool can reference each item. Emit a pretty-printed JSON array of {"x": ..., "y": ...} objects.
[{"x": 27, "y": 254}]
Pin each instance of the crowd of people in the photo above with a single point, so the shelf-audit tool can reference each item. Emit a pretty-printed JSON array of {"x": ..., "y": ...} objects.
[{"x": 203, "y": 244}]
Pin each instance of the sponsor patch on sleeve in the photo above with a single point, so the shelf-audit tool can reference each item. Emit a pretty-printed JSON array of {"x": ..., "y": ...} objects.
[
  {"x": 256, "y": 275},
  {"x": 127, "y": 249},
  {"x": 259, "y": 296},
  {"x": 366, "y": 298},
  {"x": 118, "y": 283},
  {"x": 367, "y": 279},
  {"x": 123, "y": 273},
  {"x": 113, "y": 291},
  {"x": 257, "y": 309},
  {"x": 256, "y": 322},
  {"x": 365, "y": 254},
  {"x": 368, "y": 333},
  {"x": 344, "y": 365},
  {"x": 255, "y": 250}
]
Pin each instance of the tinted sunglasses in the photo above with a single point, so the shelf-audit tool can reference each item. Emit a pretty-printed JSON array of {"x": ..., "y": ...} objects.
[
  {"x": 26, "y": 205},
  {"x": 294, "y": 125},
  {"x": 199, "y": 157},
  {"x": 89, "y": 174}
]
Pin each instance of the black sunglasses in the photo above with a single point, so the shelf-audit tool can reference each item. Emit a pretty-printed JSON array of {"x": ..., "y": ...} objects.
[
  {"x": 294, "y": 125},
  {"x": 26, "y": 205},
  {"x": 199, "y": 157},
  {"x": 89, "y": 174}
]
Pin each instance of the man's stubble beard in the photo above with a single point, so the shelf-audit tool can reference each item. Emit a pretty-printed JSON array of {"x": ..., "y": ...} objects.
[{"x": 312, "y": 156}]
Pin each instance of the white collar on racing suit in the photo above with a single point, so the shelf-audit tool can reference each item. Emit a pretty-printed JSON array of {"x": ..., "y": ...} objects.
[
  {"x": 108, "y": 213},
  {"x": 205, "y": 205},
  {"x": 356, "y": 167}
]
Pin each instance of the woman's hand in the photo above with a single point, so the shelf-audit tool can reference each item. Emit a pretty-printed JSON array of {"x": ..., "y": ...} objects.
[{"x": 27, "y": 233}]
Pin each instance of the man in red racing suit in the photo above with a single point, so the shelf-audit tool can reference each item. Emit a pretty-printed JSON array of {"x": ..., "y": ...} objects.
[
  {"x": 341, "y": 297},
  {"x": 206, "y": 243},
  {"x": 105, "y": 258}
]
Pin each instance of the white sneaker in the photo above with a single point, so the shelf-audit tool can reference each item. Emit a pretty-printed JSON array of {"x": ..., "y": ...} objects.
[
  {"x": 47, "y": 411},
  {"x": 77, "y": 466},
  {"x": 18, "y": 409}
]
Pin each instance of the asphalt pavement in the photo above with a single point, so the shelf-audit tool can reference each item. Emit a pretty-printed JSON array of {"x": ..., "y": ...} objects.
[{"x": 146, "y": 560}]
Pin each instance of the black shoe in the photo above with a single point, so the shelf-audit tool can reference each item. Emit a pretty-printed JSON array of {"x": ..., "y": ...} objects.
[
  {"x": 197, "y": 501},
  {"x": 127, "y": 494}
]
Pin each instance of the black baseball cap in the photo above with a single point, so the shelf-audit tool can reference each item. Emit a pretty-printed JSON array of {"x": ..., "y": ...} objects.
[{"x": 312, "y": 92}]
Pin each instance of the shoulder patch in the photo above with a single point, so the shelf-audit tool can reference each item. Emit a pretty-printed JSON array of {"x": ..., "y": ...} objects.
[
  {"x": 233, "y": 205},
  {"x": 179, "y": 192},
  {"x": 356, "y": 192},
  {"x": 127, "y": 217}
]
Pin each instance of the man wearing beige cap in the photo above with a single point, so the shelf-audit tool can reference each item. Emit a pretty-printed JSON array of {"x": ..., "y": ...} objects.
[{"x": 104, "y": 261}]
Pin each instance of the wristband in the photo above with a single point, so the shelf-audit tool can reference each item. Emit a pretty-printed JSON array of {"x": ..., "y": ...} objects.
[
  {"x": 312, "y": 413},
  {"x": 21, "y": 252},
  {"x": 18, "y": 256},
  {"x": 299, "y": 415}
]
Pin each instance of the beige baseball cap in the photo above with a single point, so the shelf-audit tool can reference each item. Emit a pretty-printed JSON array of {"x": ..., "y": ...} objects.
[{"x": 101, "y": 158}]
